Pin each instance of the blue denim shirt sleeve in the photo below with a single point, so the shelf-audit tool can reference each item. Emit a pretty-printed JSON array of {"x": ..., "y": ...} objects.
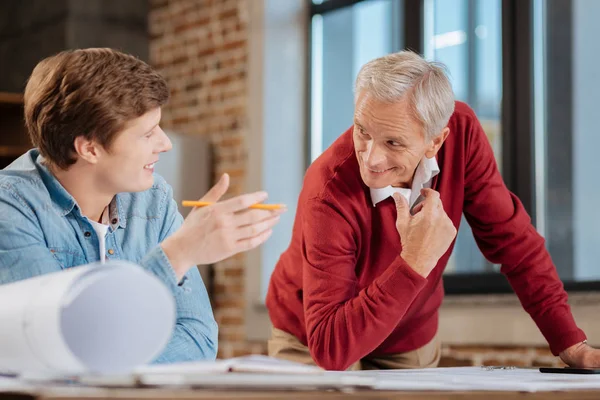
[
  {"x": 195, "y": 334},
  {"x": 23, "y": 251}
]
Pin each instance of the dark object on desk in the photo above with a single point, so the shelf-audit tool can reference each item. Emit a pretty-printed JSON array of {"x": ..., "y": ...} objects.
[{"x": 570, "y": 370}]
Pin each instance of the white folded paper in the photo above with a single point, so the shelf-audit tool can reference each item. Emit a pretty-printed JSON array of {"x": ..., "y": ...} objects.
[
  {"x": 475, "y": 379},
  {"x": 254, "y": 363},
  {"x": 96, "y": 318}
]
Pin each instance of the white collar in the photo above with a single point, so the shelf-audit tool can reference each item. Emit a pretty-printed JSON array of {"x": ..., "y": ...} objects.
[{"x": 426, "y": 170}]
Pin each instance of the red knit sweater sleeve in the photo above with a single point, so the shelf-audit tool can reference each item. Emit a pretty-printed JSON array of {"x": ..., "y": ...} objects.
[
  {"x": 505, "y": 235},
  {"x": 344, "y": 324}
]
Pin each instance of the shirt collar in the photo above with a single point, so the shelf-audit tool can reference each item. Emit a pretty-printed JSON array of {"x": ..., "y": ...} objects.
[
  {"x": 117, "y": 215},
  {"x": 64, "y": 202},
  {"x": 426, "y": 170}
]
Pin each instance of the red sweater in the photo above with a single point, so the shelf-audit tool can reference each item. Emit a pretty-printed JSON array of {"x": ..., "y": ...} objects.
[{"x": 342, "y": 288}]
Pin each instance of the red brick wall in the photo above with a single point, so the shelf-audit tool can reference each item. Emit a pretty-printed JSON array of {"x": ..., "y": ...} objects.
[
  {"x": 498, "y": 355},
  {"x": 201, "y": 48}
]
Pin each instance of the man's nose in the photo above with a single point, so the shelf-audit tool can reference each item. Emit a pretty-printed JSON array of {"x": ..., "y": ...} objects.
[
  {"x": 165, "y": 143},
  {"x": 375, "y": 155}
]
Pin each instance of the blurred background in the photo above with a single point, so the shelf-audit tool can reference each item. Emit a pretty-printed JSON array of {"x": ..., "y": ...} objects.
[{"x": 261, "y": 87}]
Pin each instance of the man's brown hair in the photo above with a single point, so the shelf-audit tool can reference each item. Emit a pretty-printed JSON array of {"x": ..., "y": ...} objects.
[{"x": 87, "y": 92}]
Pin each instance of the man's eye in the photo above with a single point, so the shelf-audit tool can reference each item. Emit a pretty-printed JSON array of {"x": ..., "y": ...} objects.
[{"x": 394, "y": 144}]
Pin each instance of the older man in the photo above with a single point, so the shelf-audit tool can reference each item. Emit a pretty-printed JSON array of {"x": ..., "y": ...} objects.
[{"x": 360, "y": 285}]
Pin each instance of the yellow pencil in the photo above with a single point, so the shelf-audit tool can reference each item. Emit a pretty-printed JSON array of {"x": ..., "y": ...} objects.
[{"x": 190, "y": 203}]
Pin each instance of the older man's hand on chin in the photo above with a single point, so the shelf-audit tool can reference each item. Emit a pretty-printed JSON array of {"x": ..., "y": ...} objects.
[{"x": 425, "y": 236}]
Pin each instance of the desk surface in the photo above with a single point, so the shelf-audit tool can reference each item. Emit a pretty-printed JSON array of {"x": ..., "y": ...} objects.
[{"x": 165, "y": 394}]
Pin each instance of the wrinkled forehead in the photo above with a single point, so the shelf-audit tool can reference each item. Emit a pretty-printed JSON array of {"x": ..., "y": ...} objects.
[{"x": 378, "y": 117}]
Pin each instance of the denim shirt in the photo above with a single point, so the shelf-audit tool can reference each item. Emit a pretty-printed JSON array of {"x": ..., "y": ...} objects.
[{"x": 42, "y": 230}]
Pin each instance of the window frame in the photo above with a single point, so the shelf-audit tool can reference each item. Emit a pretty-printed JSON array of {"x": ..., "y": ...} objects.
[{"x": 517, "y": 116}]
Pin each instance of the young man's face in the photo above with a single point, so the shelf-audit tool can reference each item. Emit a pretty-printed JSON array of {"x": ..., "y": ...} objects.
[{"x": 128, "y": 165}]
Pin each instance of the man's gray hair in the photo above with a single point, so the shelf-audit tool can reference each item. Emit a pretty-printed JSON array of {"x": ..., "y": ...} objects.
[{"x": 407, "y": 76}]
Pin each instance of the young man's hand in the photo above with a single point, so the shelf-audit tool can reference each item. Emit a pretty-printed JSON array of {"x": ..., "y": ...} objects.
[
  {"x": 425, "y": 236},
  {"x": 213, "y": 233}
]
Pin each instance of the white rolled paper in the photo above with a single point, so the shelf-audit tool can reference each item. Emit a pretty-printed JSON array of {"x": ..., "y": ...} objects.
[{"x": 95, "y": 318}]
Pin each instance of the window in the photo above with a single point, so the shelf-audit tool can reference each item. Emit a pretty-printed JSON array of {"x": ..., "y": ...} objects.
[
  {"x": 526, "y": 68},
  {"x": 276, "y": 130},
  {"x": 466, "y": 36},
  {"x": 343, "y": 40},
  {"x": 568, "y": 180}
]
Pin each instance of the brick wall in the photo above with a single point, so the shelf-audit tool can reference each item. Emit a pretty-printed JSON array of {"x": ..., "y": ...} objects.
[
  {"x": 498, "y": 355},
  {"x": 201, "y": 48}
]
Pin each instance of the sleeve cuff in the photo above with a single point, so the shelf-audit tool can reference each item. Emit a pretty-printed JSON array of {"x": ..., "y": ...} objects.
[
  {"x": 561, "y": 332},
  {"x": 400, "y": 275},
  {"x": 157, "y": 262}
]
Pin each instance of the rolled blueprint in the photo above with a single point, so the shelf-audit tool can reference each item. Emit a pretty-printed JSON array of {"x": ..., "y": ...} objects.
[{"x": 95, "y": 318}]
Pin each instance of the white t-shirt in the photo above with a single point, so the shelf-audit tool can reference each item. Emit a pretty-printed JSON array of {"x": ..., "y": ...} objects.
[{"x": 101, "y": 230}]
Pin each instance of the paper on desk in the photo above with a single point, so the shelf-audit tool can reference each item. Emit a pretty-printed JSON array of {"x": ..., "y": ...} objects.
[
  {"x": 475, "y": 379},
  {"x": 96, "y": 318},
  {"x": 253, "y": 371},
  {"x": 253, "y": 363},
  {"x": 262, "y": 381},
  {"x": 13, "y": 385},
  {"x": 260, "y": 363}
]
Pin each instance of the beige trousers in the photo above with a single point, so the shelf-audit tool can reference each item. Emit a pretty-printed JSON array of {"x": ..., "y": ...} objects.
[{"x": 287, "y": 347}]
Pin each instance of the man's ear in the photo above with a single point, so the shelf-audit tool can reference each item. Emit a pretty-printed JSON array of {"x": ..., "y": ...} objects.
[
  {"x": 86, "y": 149},
  {"x": 437, "y": 142}
]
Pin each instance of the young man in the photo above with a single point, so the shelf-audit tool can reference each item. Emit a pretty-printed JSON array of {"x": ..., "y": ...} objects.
[
  {"x": 361, "y": 283},
  {"x": 88, "y": 193}
]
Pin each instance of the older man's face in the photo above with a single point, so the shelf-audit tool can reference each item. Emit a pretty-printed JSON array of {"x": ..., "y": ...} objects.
[{"x": 388, "y": 141}]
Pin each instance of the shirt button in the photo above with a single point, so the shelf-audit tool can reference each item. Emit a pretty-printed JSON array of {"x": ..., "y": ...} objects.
[
  {"x": 87, "y": 234},
  {"x": 111, "y": 251},
  {"x": 114, "y": 221}
]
